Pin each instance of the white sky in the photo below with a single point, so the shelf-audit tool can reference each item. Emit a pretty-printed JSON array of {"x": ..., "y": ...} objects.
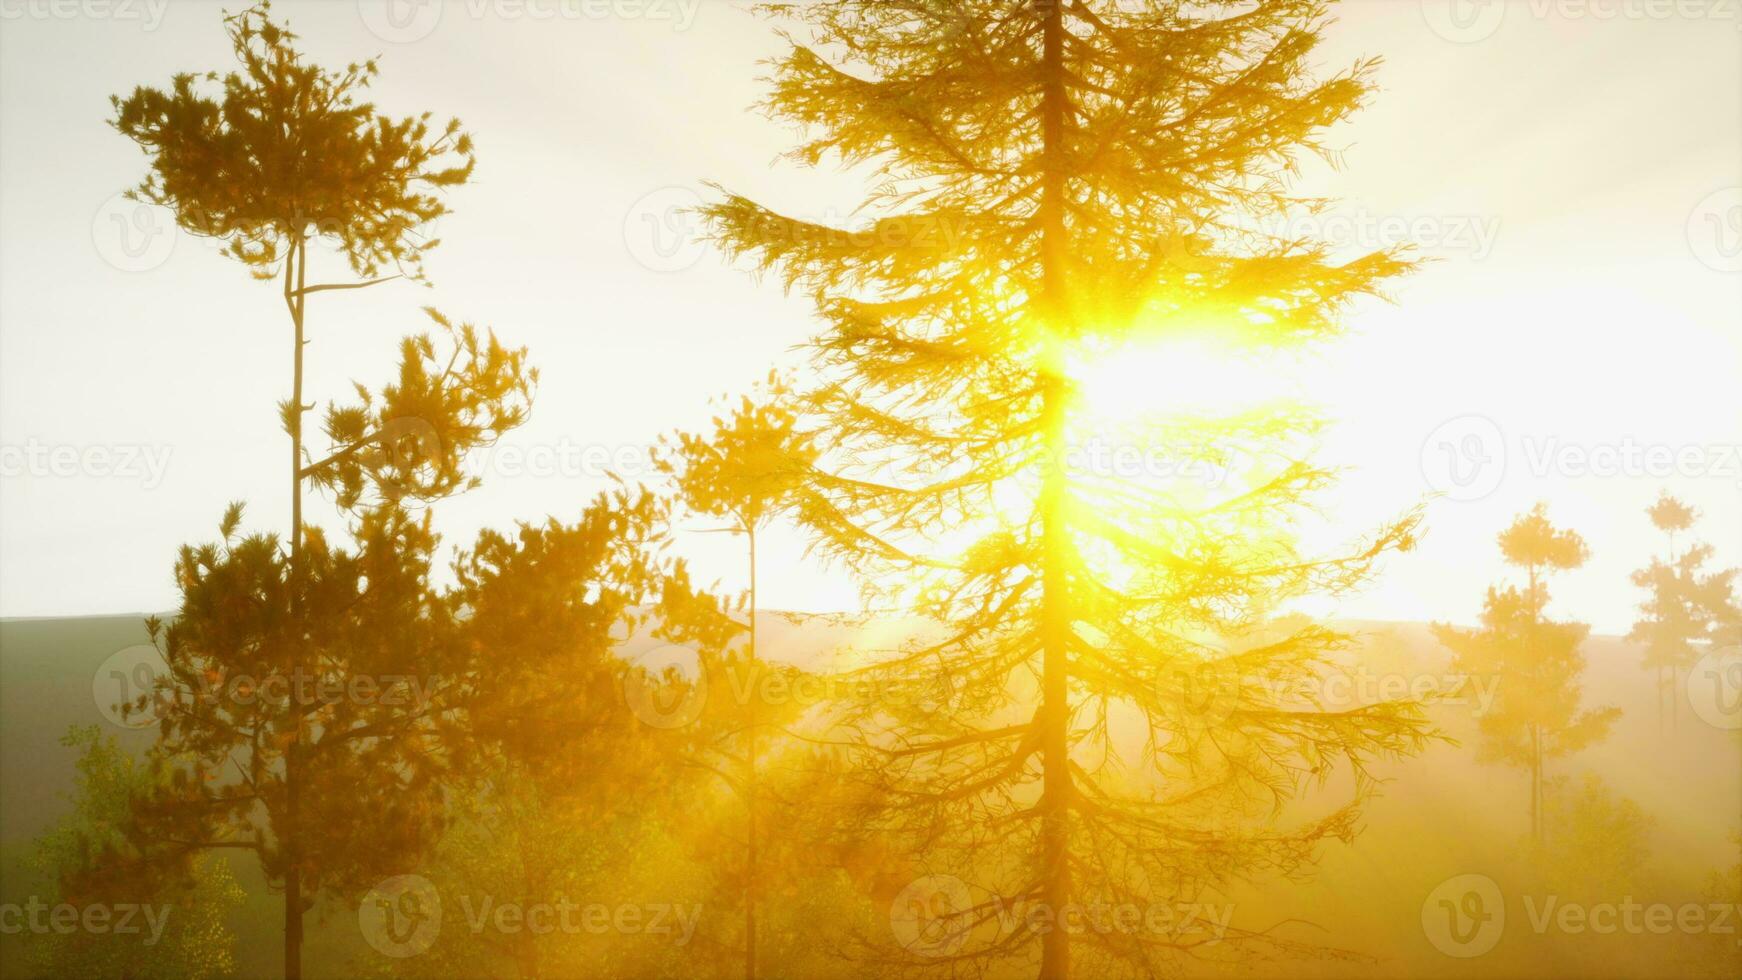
[{"x": 1587, "y": 147}]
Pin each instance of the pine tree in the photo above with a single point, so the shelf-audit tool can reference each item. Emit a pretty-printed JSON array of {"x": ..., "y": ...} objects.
[
  {"x": 755, "y": 464},
  {"x": 1057, "y": 181},
  {"x": 268, "y": 159},
  {"x": 1535, "y": 662},
  {"x": 1687, "y": 609}
]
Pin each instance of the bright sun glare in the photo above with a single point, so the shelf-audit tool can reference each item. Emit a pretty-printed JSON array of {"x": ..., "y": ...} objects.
[{"x": 1177, "y": 377}]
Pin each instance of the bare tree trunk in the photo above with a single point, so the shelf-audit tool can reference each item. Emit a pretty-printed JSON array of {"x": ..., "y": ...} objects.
[
  {"x": 750, "y": 787},
  {"x": 1660, "y": 708},
  {"x": 1675, "y": 687},
  {"x": 1533, "y": 762},
  {"x": 293, "y": 897},
  {"x": 1535, "y": 731}
]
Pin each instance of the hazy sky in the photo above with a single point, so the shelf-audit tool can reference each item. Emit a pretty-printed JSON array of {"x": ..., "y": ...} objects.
[{"x": 1577, "y": 167}]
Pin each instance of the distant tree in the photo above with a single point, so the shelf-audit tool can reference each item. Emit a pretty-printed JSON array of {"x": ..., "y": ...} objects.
[
  {"x": 78, "y": 854},
  {"x": 1687, "y": 609},
  {"x": 1054, "y": 181},
  {"x": 269, "y": 158},
  {"x": 1715, "y": 952},
  {"x": 1601, "y": 844},
  {"x": 756, "y": 463},
  {"x": 1535, "y": 662}
]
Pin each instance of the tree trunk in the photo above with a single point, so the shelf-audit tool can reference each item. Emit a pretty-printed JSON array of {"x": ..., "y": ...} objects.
[
  {"x": 1535, "y": 731},
  {"x": 1054, "y": 714},
  {"x": 293, "y": 897},
  {"x": 750, "y": 786},
  {"x": 1535, "y": 784},
  {"x": 1675, "y": 687}
]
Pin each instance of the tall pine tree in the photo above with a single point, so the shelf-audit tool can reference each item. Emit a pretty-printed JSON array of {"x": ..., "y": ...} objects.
[
  {"x": 1057, "y": 180},
  {"x": 1688, "y": 609},
  {"x": 755, "y": 464},
  {"x": 269, "y": 158},
  {"x": 1535, "y": 662}
]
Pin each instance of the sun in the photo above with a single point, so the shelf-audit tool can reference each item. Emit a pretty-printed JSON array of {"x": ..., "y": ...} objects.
[{"x": 1184, "y": 377}]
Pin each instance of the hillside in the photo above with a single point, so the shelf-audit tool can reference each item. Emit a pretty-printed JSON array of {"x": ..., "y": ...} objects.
[{"x": 1440, "y": 816}]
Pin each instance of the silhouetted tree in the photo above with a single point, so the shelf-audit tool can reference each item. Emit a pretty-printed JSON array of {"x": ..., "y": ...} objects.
[
  {"x": 296, "y": 699},
  {"x": 1056, "y": 180},
  {"x": 269, "y": 158},
  {"x": 1535, "y": 662},
  {"x": 1687, "y": 609},
  {"x": 753, "y": 465},
  {"x": 1601, "y": 844}
]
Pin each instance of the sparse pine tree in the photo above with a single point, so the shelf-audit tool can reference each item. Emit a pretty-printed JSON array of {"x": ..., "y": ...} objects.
[
  {"x": 269, "y": 158},
  {"x": 1535, "y": 662},
  {"x": 1687, "y": 609},
  {"x": 754, "y": 465}
]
